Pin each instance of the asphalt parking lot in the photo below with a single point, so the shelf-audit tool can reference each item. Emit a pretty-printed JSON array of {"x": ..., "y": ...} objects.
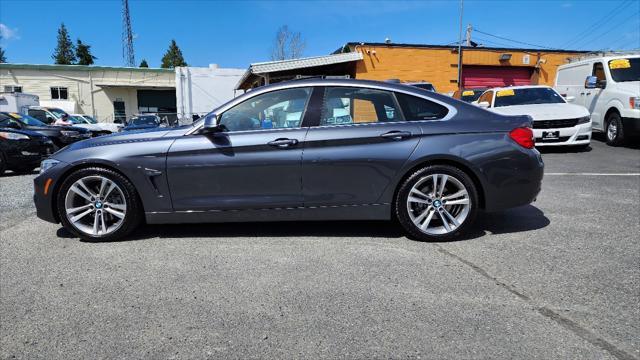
[{"x": 556, "y": 279}]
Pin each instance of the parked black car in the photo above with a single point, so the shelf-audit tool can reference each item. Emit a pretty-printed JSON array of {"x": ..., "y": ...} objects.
[
  {"x": 22, "y": 150},
  {"x": 61, "y": 136},
  {"x": 301, "y": 150},
  {"x": 142, "y": 122}
]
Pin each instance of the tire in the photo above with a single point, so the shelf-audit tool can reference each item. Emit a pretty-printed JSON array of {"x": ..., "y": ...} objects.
[
  {"x": 3, "y": 163},
  {"x": 614, "y": 130},
  {"x": 413, "y": 214},
  {"x": 122, "y": 200}
]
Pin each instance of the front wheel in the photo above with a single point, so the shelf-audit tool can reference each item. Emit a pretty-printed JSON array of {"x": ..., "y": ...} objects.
[
  {"x": 98, "y": 204},
  {"x": 614, "y": 130},
  {"x": 437, "y": 203}
]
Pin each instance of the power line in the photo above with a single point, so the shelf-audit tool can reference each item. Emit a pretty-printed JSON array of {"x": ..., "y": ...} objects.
[
  {"x": 615, "y": 28},
  {"x": 482, "y": 40},
  {"x": 511, "y": 40},
  {"x": 594, "y": 25}
]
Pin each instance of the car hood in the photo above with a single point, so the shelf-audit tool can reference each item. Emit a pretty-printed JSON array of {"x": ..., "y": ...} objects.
[
  {"x": 120, "y": 138},
  {"x": 23, "y": 132},
  {"x": 544, "y": 111},
  {"x": 91, "y": 127}
]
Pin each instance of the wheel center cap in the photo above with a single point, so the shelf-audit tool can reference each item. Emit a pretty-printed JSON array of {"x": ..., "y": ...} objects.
[
  {"x": 98, "y": 204},
  {"x": 437, "y": 203}
]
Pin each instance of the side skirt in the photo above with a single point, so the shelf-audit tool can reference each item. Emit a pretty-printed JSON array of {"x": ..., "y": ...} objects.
[{"x": 321, "y": 213}]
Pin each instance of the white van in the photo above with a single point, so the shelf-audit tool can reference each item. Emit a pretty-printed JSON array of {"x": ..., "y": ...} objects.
[
  {"x": 17, "y": 102},
  {"x": 609, "y": 87}
]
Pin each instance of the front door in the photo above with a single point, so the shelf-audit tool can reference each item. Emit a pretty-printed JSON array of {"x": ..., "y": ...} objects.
[
  {"x": 591, "y": 97},
  {"x": 254, "y": 164},
  {"x": 361, "y": 142},
  {"x": 119, "y": 112}
]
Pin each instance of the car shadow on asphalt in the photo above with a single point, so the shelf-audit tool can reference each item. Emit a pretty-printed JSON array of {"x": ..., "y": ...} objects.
[
  {"x": 521, "y": 219},
  {"x": 632, "y": 143}
]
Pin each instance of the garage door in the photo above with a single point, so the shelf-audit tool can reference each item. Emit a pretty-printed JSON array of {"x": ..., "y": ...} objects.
[{"x": 491, "y": 76}]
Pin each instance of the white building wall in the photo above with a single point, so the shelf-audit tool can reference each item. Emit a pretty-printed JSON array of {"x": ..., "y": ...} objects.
[
  {"x": 91, "y": 89},
  {"x": 200, "y": 90}
]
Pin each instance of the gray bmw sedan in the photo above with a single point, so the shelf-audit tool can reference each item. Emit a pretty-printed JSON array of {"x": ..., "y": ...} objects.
[{"x": 301, "y": 150}]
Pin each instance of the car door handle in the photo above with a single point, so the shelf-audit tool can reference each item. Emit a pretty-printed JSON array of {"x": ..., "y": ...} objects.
[
  {"x": 396, "y": 135},
  {"x": 581, "y": 93},
  {"x": 283, "y": 143}
]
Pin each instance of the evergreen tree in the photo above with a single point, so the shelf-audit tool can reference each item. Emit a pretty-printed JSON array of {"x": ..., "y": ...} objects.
[
  {"x": 173, "y": 57},
  {"x": 64, "y": 52},
  {"x": 3, "y": 59},
  {"x": 144, "y": 64},
  {"x": 83, "y": 53}
]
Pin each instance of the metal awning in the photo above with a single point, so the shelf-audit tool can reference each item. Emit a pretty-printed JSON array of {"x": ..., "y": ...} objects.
[{"x": 264, "y": 68}]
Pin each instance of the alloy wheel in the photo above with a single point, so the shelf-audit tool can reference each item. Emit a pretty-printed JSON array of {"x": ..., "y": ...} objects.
[
  {"x": 438, "y": 204},
  {"x": 612, "y": 131},
  {"x": 95, "y": 205}
]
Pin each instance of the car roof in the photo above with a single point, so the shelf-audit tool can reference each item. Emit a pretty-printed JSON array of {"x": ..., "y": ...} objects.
[{"x": 598, "y": 58}]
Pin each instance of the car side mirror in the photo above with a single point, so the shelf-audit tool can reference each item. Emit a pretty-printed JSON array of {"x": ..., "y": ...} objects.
[
  {"x": 211, "y": 125},
  {"x": 591, "y": 82},
  {"x": 484, "y": 104}
]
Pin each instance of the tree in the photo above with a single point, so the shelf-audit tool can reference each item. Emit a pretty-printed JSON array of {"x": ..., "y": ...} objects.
[
  {"x": 3, "y": 59},
  {"x": 64, "y": 51},
  {"x": 287, "y": 44},
  {"x": 83, "y": 53},
  {"x": 173, "y": 57},
  {"x": 144, "y": 64}
]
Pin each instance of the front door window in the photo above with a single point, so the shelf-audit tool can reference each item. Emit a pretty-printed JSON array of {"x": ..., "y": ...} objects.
[{"x": 274, "y": 110}]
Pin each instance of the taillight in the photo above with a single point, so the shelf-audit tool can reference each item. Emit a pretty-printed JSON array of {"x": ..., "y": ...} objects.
[{"x": 523, "y": 136}]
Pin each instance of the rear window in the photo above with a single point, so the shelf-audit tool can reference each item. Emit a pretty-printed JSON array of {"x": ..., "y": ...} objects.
[
  {"x": 527, "y": 96},
  {"x": 415, "y": 108}
]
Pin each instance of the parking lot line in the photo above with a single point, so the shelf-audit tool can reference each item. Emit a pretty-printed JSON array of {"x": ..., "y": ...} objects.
[{"x": 593, "y": 174}]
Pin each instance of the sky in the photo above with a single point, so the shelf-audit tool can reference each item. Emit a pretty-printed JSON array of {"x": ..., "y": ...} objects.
[{"x": 238, "y": 33}]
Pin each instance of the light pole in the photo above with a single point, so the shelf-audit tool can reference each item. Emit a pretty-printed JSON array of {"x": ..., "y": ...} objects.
[{"x": 460, "y": 48}]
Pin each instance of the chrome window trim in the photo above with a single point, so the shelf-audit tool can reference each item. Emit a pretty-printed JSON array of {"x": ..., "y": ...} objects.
[{"x": 287, "y": 85}]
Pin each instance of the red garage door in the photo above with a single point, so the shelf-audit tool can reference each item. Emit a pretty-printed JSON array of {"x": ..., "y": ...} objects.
[{"x": 491, "y": 76}]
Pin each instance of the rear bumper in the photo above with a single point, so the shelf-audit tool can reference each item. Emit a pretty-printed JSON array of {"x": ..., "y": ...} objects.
[
  {"x": 577, "y": 135},
  {"x": 631, "y": 126}
]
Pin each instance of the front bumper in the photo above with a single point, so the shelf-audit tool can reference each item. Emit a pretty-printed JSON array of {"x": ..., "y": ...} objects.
[
  {"x": 44, "y": 189},
  {"x": 28, "y": 153},
  {"x": 576, "y": 135}
]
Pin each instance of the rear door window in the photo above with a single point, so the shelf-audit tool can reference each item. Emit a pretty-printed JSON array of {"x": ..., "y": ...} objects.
[
  {"x": 346, "y": 105},
  {"x": 416, "y": 108}
]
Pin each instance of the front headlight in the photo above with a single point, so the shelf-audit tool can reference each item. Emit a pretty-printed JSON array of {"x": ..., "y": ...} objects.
[
  {"x": 48, "y": 164},
  {"x": 69, "y": 133},
  {"x": 13, "y": 136},
  {"x": 584, "y": 120}
]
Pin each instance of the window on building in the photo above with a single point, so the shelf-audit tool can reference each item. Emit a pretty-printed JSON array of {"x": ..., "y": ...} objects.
[
  {"x": 59, "y": 93},
  {"x": 13, "y": 88},
  {"x": 344, "y": 105},
  {"x": 415, "y": 108}
]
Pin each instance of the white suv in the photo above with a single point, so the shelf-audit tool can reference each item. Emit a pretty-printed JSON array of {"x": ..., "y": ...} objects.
[{"x": 609, "y": 87}]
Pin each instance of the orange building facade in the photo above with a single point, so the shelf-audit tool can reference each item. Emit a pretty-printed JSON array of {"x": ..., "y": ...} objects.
[{"x": 482, "y": 67}]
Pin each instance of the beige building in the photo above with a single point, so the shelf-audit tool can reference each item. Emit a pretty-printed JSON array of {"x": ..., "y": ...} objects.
[{"x": 107, "y": 93}]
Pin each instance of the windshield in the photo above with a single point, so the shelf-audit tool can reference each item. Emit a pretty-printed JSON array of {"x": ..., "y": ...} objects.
[
  {"x": 76, "y": 119},
  {"x": 90, "y": 119},
  {"x": 26, "y": 119},
  {"x": 625, "y": 69},
  {"x": 527, "y": 96},
  {"x": 56, "y": 112},
  {"x": 471, "y": 95},
  {"x": 144, "y": 120},
  {"x": 425, "y": 86}
]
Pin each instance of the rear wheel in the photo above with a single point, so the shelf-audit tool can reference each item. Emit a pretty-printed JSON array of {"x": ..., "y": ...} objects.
[
  {"x": 614, "y": 130},
  {"x": 98, "y": 204},
  {"x": 437, "y": 203}
]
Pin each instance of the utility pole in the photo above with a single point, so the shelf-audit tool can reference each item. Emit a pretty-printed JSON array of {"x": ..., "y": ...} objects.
[
  {"x": 460, "y": 47},
  {"x": 469, "y": 30},
  {"x": 127, "y": 36}
]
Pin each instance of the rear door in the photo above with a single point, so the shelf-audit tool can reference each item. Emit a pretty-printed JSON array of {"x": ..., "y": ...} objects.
[{"x": 360, "y": 142}]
